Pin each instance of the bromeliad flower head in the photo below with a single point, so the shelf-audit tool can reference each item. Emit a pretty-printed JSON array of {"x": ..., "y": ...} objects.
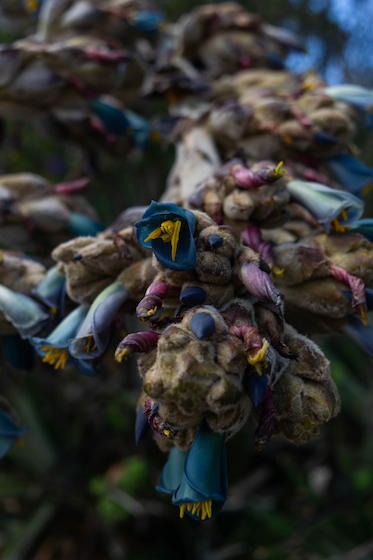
[
  {"x": 93, "y": 336},
  {"x": 54, "y": 348},
  {"x": 198, "y": 480},
  {"x": 326, "y": 205},
  {"x": 23, "y": 313},
  {"x": 168, "y": 230}
]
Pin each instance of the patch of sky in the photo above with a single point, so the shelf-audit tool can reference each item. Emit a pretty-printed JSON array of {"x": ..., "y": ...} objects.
[{"x": 300, "y": 62}]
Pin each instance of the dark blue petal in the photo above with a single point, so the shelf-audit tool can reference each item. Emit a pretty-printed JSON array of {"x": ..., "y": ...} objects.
[
  {"x": 256, "y": 386},
  {"x": 9, "y": 432},
  {"x": 142, "y": 426},
  {"x": 362, "y": 336},
  {"x": 202, "y": 325},
  {"x": 146, "y": 21},
  {"x": 325, "y": 139},
  {"x": 192, "y": 296},
  {"x": 215, "y": 241},
  {"x": 83, "y": 225},
  {"x": 172, "y": 472},
  {"x": 275, "y": 61},
  {"x": 365, "y": 227},
  {"x": 19, "y": 353},
  {"x": 85, "y": 367},
  {"x": 351, "y": 173},
  {"x": 51, "y": 288},
  {"x": 153, "y": 217}
]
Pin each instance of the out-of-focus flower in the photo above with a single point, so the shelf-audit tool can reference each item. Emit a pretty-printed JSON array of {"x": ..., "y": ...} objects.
[
  {"x": 358, "y": 96},
  {"x": 200, "y": 484},
  {"x": 79, "y": 224},
  {"x": 168, "y": 230},
  {"x": 365, "y": 227},
  {"x": 93, "y": 336},
  {"x": 10, "y": 433},
  {"x": 25, "y": 314},
  {"x": 326, "y": 205},
  {"x": 54, "y": 348},
  {"x": 351, "y": 173}
]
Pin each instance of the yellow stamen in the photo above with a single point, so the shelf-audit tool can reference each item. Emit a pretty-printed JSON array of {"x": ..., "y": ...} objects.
[
  {"x": 337, "y": 226},
  {"x": 278, "y": 272},
  {"x": 122, "y": 354},
  {"x": 87, "y": 347},
  {"x": 169, "y": 432},
  {"x": 1, "y": 256},
  {"x": 54, "y": 310},
  {"x": 259, "y": 359},
  {"x": 153, "y": 311},
  {"x": 279, "y": 171},
  {"x": 20, "y": 443},
  {"x": 198, "y": 508},
  {"x": 168, "y": 231},
  {"x": 55, "y": 356},
  {"x": 344, "y": 214},
  {"x": 32, "y": 6},
  {"x": 287, "y": 138},
  {"x": 367, "y": 189}
]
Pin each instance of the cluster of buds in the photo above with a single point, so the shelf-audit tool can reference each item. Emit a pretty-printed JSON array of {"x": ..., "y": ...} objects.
[
  {"x": 252, "y": 234},
  {"x": 35, "y": 215}
]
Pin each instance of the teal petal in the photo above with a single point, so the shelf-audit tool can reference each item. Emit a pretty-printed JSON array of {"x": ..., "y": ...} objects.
[
  {"x": 25, "y": 314},
  {"x": 83, "y": 225},
  {"x": 364, "y": 227},
  {"x": 51, "y": 288},
  {"x": 358, "y": 96},
  {"x": 351, "y": 173},
  {"x": 60, "y": 337},
  {"x": 324, "y": 203},
  {"x": 172, "y": 472}
]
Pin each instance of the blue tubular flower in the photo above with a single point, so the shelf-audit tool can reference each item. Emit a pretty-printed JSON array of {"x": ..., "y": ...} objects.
[
  {"x": 351, "y": 173},
  {"x": 93, "y": 336},
  {"x": 25, "y": 314},
  {"x": 325, "y": 204},
  {"x": 365, "y": 227},
  {"x": 51, "y": 290},
  {"x": 54, "y": 348},
  {"x": 358, "y": 333},
  {"x": 172, "y": 472},
  {"x": 168, "y": 230},
  {"x": 80, "y": 224},
  {"x": 146, "y": 21},
  {"x": 204, "y": 484},
  {"x": 122, "y": 122},
  {"x": 9, "y": 432},
  {"x": 358, "y": 96}
]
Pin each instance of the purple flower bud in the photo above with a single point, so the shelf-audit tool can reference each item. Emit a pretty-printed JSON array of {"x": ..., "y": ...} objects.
[
  {"x": 136, "y": 342},
  {"x": 252, "y": 238},
  {"x": 157, "y": 288},
  {"x": 247, "y": 179},
  {"x": 259, "y": 284}
]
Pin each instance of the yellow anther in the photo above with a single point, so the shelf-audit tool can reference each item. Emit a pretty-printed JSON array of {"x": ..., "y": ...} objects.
[
  {"x": 1, "y": 256},
  {"x": 169, "y": 432},
  {"x": 32, "y": 6},
  {"x": 55, "y": 356},
  {"x": 198, "y": 508},
  {"x": 278, "y": 170},
  {"x": 344, "y": 214},
  {"x": 122, "y": 354},
  {"x": 168, "y": 231},
  {"x": 20, "y": 442},
  {"x": 259, "y": 358},
  {"x": 87, "y": 347},
  {"x": 278, "y": 272},
  {"x": 367, "y": 189},
  {"x": 54, "y": 310},
  {"x": 337, "y": 226},
  {"x": 153, "y": 311}
]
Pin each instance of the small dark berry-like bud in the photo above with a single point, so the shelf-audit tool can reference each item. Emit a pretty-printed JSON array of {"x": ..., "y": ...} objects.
[
  {"x": 202, "y": 325},
  {"x": 142, "y": 426},
  {"x": 215, "y": 241},
  {"x": 256, "y": 387},
  {"x": 193, "y": 295}
]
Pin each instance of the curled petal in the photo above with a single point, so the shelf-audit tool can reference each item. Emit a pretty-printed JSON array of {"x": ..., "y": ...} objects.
[
  {"x": 247, "y": 179},
  {"x": 172, "y": 472},
  {"x": 136, "y": 342},
  {"x": 357, "y": 287},
  {"x": 260, "y": 284},
  {"x": 148, "y": 306},
  {"x": 51, "y": 289},
  {"x": 25, "y": 314},
  {"x": 252, "y": 238}
]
